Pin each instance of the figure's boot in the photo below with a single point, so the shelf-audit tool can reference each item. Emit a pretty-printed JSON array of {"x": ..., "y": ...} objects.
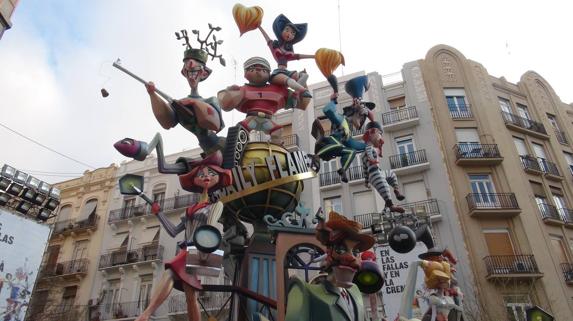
[
  {"x": 399, "y": 196},
  {"x": 132, "y": 148},
  {"x": 342, "y": 174},
  {"x": 394, "y": 208}
]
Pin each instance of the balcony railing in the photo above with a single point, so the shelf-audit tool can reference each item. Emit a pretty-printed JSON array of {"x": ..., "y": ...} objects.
[
  {"x": 521, "y": 122},
  {"x": 538, "y": 164},
  {"x": 75, "y": 225},
  {"x": 355, "y": 173},
  {"x": 79, "y": 266},
  {"x": 212, "y": 301},
  {"x": 461, "y": 112},
  {"x": 497, "y": 265},
  {"x": 290, "y": 140},
  {"x": 471, "y": 151},
  {"x": 167, "y": 205},
  {"x": 402, "y": 114},
  {"x": 121, "y": 310},
  {"x": 421, "y": 208},
  {"x": 40, "y": 311},
  {"x": 120, "y": 256},
  {"x": 561, "y": 138},
  {"x": 408, "y": 159},
  {"x": 329, "y": 178},
  {"x": 530, "y": 163},
  {"x": 566, "y": 215},
  {"x": 549, "y": 168},
  {"x": 492, "y": 201},
  {"x": 567, "y": 269},
  {"x": 549, "y": 212}
]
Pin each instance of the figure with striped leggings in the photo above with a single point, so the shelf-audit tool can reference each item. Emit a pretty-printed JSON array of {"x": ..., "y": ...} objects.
[{"x": 380, "y": 179}]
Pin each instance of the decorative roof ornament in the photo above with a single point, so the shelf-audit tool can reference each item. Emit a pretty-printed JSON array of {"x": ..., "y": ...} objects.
[{"x": 208, "y": 45}]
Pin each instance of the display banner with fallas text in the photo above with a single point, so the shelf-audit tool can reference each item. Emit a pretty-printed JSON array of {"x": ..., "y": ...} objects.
[
  {"x": 22, "y": 244},
  {"x": 395, "y": 266}
]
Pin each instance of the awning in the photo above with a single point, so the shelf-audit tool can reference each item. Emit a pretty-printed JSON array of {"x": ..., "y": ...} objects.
[
  {"x": 88, "y": 209},
  {"x": 117, "y": 240},
  {"x": 148, "y": 235}
]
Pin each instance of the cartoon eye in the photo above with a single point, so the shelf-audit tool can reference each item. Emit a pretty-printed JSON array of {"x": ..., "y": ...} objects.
[
  {"x": 340, "y": 249},
  {"x": 212, "y": 172},
  {"x": 355, "y": 252}
]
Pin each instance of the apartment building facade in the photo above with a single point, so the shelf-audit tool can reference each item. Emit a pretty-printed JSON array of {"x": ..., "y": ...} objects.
[
  {"x": 507, "y": 150},
  {"x": 63, "y": 286},
  {"x": 7, "y": 8}
]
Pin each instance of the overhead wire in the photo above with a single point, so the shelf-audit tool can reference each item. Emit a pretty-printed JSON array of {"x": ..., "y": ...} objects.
[{"x": 46, "y": 147}]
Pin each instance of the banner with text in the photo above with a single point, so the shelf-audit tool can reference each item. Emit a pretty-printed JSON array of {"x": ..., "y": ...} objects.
[
  {"x": 394, "y": 267},
  {"x": 22, "y": 245}
]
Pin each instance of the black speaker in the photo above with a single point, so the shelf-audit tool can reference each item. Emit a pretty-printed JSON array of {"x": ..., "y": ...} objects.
[
  {"x": 402, "y": 239},
  {"x": 369, "y": 278}
]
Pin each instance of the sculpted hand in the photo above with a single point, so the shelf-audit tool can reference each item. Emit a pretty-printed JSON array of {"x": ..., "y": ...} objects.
[
  {"x": 150, "y": 87},
  {"x": 188, "y": 101}
]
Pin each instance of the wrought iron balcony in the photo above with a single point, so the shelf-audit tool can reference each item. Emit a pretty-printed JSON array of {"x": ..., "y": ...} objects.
[
  {"x": 477, "y": 154},
  {"x": 46, "y": 312},
  {"x": 427, "y": 208},
  {"x": 511, "y": 266},
  {"x": 549, "y": 168},
  {"x": 121, "y": 256},
  {"x": 400, "y": 118},
  {"x": 168, "y": 205},
  {"x": 549, "y": 214},
  {"x": 567, "y": 216},
  {"x": 536, "y": 165},
  {"x": 75, "y": 226},
  {"x": 524, "y": 125},
  {"x": 329, "y": 178},
  {"x": 408, "y": 163},
  {"x": 493, "y": 205},
  {"x": 67, "y": 268},
  {"x": 561, "y": 138},
  {"x": 530, "y": 163},
  {"x": 125, "y": 310},
  {"x": 461, "y": 112},
  {"x": 567, "y": 269}
]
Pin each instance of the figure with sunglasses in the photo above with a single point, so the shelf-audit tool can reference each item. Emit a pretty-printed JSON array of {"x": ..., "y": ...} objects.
[
  {"x": 200, "y": 116},
  {"x": 258, "y": 99}
]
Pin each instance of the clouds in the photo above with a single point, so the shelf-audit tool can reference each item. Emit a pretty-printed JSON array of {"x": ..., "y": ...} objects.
[{"x": 58, "y": 55}]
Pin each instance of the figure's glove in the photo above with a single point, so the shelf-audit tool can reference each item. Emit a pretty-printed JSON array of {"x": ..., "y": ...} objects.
[
  {"x": 150, "y": 87},
  {"x": 155, "y": 208}
]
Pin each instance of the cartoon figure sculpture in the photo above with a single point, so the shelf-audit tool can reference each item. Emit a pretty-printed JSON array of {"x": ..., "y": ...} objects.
[
  {"x": 287, "y": 34},
  {"x": 438, "y": 275},
  {"x": 200, "y": 116},
  {"x": 373, "y": 175},
  {"x": 357, "y": 113},
  {"x": 203, "y": 177},
  {"x": 339, "y": 143},
  {"x": 336, "y": 298},
  {"x": 258, "y": 99}
]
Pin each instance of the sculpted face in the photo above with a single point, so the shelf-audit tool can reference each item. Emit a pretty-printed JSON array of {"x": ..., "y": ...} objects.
[
  {"x": 206, "y": 178},
  {"x": 344, "y": 259},
  {"x": 194, "y": 71},
  {"x": 257, "y": 75},
  {"x": 375, "y": 137},
  {"x": 288, "y": 34}
]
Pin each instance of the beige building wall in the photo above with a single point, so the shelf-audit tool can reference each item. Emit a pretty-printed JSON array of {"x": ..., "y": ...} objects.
[
  {"x": 63, "y": 289},
  {"x": 516, "y": 247},
  {"x": 7, "y": 8}
]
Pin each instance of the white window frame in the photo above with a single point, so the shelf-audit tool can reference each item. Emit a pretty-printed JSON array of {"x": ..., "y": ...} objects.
[
  {"x": 485, "y": 198},
  {"x": 504, "y": 105},
  {"x": 333, "y": 206},
  {"x": 517, "y": 308}
]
